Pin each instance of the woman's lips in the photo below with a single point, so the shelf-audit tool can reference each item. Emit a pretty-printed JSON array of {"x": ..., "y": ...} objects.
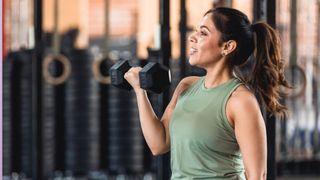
[{"x": 193, "y": 51}]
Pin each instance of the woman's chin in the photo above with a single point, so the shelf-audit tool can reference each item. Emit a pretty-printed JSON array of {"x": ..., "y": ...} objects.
[{"x": 192, "y": 61}]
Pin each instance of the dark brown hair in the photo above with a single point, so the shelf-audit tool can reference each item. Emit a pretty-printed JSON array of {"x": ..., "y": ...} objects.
[{"x": 258, "y": 45}]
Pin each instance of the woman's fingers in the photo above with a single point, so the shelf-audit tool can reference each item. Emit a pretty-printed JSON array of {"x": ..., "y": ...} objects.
[{"x": 132, "y": 76}]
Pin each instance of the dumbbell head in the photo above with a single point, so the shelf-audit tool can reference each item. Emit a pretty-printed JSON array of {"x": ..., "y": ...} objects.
[
  {"x": 117, "y": 72},
  {"x": 155, "y": 77}
]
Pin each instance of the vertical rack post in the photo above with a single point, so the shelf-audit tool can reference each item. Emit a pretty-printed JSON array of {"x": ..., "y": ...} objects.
[{"x": 36, "y": 90}]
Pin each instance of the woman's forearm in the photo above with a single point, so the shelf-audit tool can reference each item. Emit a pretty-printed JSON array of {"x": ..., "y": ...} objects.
[{"x": 152, "y": 128}]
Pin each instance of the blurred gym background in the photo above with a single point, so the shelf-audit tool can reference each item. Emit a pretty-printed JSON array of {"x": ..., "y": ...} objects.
[{"x": 62, "y": 120}]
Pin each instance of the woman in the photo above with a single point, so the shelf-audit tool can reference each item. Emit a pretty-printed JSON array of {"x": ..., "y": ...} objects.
[{"x": 213, "y": 125}]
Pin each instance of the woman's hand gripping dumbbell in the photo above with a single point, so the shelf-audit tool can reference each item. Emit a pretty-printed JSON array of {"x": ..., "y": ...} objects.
[{"x": 152, "y": 77}]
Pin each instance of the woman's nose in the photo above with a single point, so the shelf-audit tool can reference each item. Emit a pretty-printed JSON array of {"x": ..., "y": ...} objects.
[{"x": 192, "y": 37}]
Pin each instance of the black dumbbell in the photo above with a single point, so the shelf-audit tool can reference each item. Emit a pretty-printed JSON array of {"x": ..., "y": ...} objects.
[{"x": 153, "y": 76}]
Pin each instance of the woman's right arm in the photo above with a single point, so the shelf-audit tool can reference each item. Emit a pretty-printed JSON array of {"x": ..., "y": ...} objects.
[{"x": 155, "y": 131}]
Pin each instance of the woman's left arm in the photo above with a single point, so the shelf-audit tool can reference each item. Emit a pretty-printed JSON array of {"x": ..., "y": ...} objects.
[{"x": 244, "y": 113}]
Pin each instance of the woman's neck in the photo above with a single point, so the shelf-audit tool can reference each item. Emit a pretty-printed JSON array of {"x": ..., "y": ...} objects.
[{"x": 217, "y": 75}]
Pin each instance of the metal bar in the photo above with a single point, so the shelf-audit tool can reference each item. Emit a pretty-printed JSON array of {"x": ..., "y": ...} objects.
[
  {"x": 165, "y": 55},
  {"x": 271, "y": 121},
  {"x": 56, "y": 40},
  {"x": 271, "y": 145},
  {"x": 106, "y": 28},
  {"x": 165, "y": 31},
  {"x": 259, "y": 10},
  {"x": 271, "y": 13},
  {"x": 183, "y": 38},
  {"x": 293, "y": 33},
  {"x": 36, "y": 91}
]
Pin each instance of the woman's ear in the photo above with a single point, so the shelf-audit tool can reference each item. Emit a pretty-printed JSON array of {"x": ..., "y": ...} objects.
[{"x": 228, "y": 47}]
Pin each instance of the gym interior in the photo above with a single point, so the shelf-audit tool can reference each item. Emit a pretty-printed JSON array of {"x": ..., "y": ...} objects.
[{"x": 62, "y": 118}]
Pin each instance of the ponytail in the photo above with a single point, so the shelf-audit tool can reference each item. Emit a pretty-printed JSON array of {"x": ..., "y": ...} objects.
[{"x": 268, "y": 69}]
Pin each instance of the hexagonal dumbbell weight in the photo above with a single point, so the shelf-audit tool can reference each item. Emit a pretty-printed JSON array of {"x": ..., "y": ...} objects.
[{"x": 153, "y": 77}]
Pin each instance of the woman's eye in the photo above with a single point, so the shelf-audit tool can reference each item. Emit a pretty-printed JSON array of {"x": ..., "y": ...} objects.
[{"x": 203, "y": 33}]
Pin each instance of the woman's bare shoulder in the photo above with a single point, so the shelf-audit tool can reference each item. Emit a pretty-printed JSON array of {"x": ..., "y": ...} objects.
[
  {"x": 242, "y": 96},
  {"x": 242, "y": 101}
]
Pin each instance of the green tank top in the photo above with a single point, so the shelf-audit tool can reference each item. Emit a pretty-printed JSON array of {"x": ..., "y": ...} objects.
[{"x": 203, "y": 143}]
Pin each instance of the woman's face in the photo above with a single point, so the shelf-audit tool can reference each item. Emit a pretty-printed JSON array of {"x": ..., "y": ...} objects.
[{"x": 204, "y": 44}]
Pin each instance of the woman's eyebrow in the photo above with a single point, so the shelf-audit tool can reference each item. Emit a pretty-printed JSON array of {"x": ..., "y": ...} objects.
[{"x": 203, "y": 26}]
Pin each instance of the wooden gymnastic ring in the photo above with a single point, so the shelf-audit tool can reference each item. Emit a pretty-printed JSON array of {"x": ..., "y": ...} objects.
[
  {"x": 66, "y": 69},
  {"x": 98, "y": 76},
  {"x": 302, "y": 88}
]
